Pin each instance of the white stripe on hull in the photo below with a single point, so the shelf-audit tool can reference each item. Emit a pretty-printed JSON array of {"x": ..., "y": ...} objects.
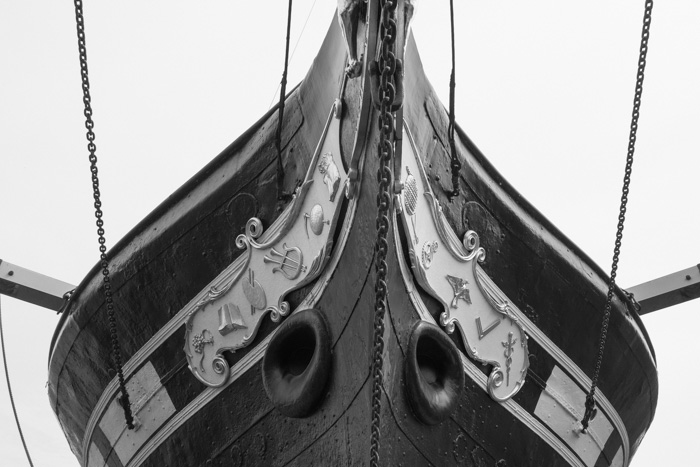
[
  {"x": 567, "y": 451},
  {"x": 151, "y": 405},
  {"x": 180, "y": 318},
  {"x": 558, "y": 407}
]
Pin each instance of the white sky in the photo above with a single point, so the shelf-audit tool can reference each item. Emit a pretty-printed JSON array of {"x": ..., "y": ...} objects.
[{"x": 544, "y": 88}]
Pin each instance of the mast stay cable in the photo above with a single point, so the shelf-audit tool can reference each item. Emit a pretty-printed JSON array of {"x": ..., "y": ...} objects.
[
  {"x": 590, "y": 397},
  {"x": 283, "y": 92},
  {"x": 455, "y": 164},
  {"x": 9, "y": 389},
  {"x": 296, "y": 44}
]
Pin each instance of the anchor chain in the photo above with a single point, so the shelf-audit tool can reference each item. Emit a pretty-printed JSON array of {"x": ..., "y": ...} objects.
[
  {"x": 89, "y": 124},
  {"x": 590, "y": 397},
  {"x": 387, "y": 67}
]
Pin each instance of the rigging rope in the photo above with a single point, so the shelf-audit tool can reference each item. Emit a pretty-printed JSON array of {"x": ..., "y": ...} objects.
[
  {"x": 9, "y": 390},
  {"x": 296, "y": 44},
  {"x": 590, "y": 397},
  {"x": 283, "y": 92},
  {"x": 387, "y": 65},
  {"x": 455, "y": 164},
  {"x": 89, "y": 124}
]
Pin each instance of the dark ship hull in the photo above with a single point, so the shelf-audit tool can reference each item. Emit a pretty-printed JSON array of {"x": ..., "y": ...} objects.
[{"x": 179, "y": 255}]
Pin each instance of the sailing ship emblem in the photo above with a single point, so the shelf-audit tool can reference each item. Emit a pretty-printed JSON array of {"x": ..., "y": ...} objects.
[{"x": 290, "y": 262}]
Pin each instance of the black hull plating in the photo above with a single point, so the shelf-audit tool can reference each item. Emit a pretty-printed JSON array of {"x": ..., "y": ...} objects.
[{"x": 186, "y": 242}]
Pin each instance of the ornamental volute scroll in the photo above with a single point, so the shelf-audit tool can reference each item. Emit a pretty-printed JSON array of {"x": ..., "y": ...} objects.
[
  {"x": 447, "y": 269},
  {"x": 291, "y": 253}
]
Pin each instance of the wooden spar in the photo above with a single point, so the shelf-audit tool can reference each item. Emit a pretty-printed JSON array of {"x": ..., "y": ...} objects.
[
  {"x": 667, "y": 291},
  {"x": 32, "y": 287}
]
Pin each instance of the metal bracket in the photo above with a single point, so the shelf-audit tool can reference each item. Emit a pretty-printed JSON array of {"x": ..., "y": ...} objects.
[
  {"x": 668, "y": 290},
  {"x": 32, "y": 287}
]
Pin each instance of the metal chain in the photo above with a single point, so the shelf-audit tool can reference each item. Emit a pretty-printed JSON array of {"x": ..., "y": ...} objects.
[
  {"x": 89, "y": 124},
  {"x": 455, "y": 164},
  {"x": 590, "y": 398},
  {"x": 387, "y": 67}
]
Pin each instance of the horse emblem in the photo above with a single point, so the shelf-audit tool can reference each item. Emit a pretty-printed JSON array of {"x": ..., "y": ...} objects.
[{"x": 331, "y": 175}]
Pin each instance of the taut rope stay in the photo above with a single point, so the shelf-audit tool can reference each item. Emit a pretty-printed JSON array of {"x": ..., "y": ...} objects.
[
  {"x": 9, "y": 391},
  {"x": 283, "y": 92},
  {"x": 455, "y": 164},
  {"x": 590, "y": 397}
]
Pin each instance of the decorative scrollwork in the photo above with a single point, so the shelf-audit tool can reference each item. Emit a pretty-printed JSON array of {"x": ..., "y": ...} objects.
[
  {"x": 253, "y": 228},
  {"x": 495, "y": 379},
  {"x": 242, "y": 242},
  {"x": 447, "y": 322},
  {"x": 221, "y": 367},
  {"x": 276, "y": 313},
  {"x": 250, "y": 288},
  {"x": 488, "y": 328}
]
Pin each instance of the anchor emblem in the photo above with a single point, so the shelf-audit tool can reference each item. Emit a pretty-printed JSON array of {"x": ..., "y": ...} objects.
[{"x": 290, "y": 263}]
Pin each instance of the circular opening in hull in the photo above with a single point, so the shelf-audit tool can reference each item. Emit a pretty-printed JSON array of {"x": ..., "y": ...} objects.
[
  {"x": 297, "y": 363},
  {"x": 434, "y": 374},
  {"x": 296, "y": 352}
]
